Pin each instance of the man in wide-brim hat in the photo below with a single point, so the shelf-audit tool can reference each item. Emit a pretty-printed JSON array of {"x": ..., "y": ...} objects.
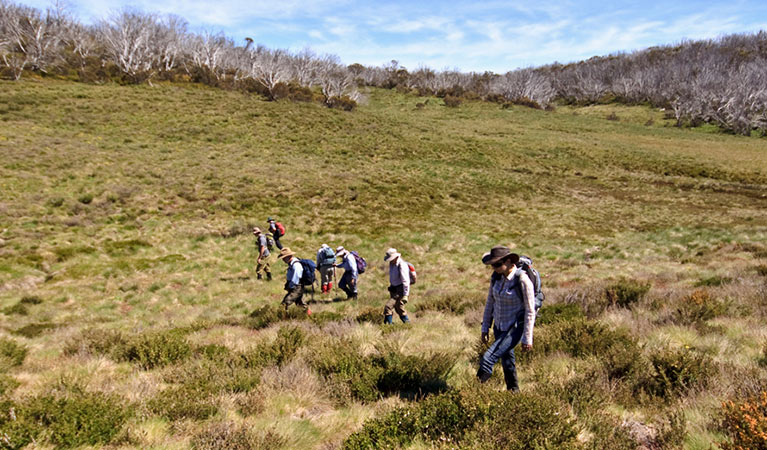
[
  {"x": 510, "y": 309},
  {"x": 399, "y": 286},
  {"x": 293, "y": 280},
  {"x": 350, "y": 279}
]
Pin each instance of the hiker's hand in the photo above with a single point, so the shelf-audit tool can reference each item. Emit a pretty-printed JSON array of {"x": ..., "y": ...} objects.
[
  {"x": 485, "y": 338},
  {"x": 527, "y": 347}
]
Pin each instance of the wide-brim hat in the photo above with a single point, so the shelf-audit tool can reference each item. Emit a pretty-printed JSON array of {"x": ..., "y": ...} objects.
[
  {"x": 269, "y": 220},
  {"x": 257, "y": 230},
  {"x": 391, "y": 254},
  {"x": 498, "y": 253},
  {"x": 285, "y": 253}
]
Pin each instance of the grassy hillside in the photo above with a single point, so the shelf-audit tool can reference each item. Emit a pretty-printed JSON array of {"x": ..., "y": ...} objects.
[{"x": 125, "y": 211}]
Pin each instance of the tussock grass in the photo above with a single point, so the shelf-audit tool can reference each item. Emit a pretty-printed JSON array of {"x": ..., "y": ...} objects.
[{"x": 125, "y": 238}]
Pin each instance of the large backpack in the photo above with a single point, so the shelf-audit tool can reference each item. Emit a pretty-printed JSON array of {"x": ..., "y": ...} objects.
[
  {"x": 328, "y": 256},
  {"x": 361, "y": 263},
  {"x": 526, "y": 264},
  {"x": 269, "y": 242},
  {"x": 413, "y": 274},
  {"x": 280, "y": 229},
  {"x": 308, "y": 277}
]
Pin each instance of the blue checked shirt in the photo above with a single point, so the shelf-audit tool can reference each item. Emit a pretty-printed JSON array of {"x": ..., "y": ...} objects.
[{"x": 504, "y": 305}]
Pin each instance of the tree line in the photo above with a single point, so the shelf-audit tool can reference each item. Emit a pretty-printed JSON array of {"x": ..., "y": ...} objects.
[{"x": 719, "y": 81}]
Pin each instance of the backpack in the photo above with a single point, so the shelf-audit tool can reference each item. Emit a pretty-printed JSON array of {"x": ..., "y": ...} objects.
[
  {"x": 328, "y": 256},
  {"x": 526, "y": 264},
  {"x": 269, "y": 243},
  {"x": 308, "y": 277},
  {"x": 280, "y": 229},
  {"x": 413, "y": 274},
  {"x": 361, "y": 263}
]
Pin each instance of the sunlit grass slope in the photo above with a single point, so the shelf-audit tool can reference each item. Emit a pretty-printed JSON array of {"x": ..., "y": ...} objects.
[{"x": 128, "y": 209}]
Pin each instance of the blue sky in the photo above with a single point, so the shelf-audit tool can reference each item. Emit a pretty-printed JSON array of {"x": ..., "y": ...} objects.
[{"x": 492, "y": 35}]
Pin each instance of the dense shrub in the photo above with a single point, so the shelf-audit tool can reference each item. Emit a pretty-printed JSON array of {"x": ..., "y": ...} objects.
[
  {"x": 479, "y": 419},
  {"x": 7, "y": 384},
  {"x": 269, "y": 314},
  {"x": 558, "y": 312},
  {"x": 452, "y": 102},
  {"x": 289, "y": 340},
  {"x": 233, "y": 436},
  {"x": 578, "y": 338},
  {"x": 450, "y": 303},
  {"x": 32, "y": 330},
  {"x": 745, "y": 423},
  {"x": 30, "y": 300},
  {"x": 12, "y": 354},
  {"x": 699, "y": 306},
  {"x": 676, "y": 371},
  {"x": 17, "y": 309},
  {"x": 713, "y": 281},
  {"x": 188, "y": 401},
  {"x": 154, "y": 349},
  {"x": 96, "y": 341},
  {"x": 344, "y": 103},
  {"x": 372, "y": 315},
  {"x": 74, "y": 420},
  {"x": 672, "y": 430},
  {"x": 626, "y": 292},
  {"x": 385, "y": 373}
]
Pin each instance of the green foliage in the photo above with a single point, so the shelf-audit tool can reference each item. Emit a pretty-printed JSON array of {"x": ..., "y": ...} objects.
[
  {"x": 625, "y": 292},
  {"x": 30, "y": 300},
  {"x": 233, "y": 436},
  {"x": 18, "y": 309},
  {"x": 97, "y": 341},
  {"x": 125, "y": 247},
  {"x": 187, "y": 401},
  {"x": 85, "y": 199},
  {"x": 713, "y": 281},
  {"x": 32, "y": 330},
  {"x": 155, "y": 349},
  {"x": 672, "y": 431},
  {"x": 452, "y": 102},
  {"x": 7, "y": 384},
  {"x": 344, "y": 103},
  {"x": 579, "y": 338},
  {"x": 270, "y": 314},
  {"x": 64, "y": 253},
  {"x": 64, "y": 421},
  {"x": 699, "y": 306},
  {"x": 371, "y": 315},
  {"x": 744, "y": 422},
  {"x": 454, "y": 302},
  {"x": 474, "y": 418},
  {"x": 289, "y": 340},
  {"x": 12, "y": 354},
  {"x": 558, "y": 312},
  {"x": 676, "y": 371}
]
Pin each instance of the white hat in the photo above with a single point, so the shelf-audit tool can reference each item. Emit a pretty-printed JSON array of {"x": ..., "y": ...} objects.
[
  {"x": 341, "y": 251},
  {"x": 324, "y": 246},
  {"x": 391, "y": 254}
]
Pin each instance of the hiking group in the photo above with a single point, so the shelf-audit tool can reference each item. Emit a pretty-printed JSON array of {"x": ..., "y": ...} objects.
[{"x": 513, "y": 299}]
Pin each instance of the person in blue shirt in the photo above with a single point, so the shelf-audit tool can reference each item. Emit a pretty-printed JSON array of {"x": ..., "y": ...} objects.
[
  {"x": 350, "y": 277},
  {"x": 293, "y": 281}
]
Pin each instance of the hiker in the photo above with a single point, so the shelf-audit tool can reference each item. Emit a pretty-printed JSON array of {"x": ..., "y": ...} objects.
[
  {"x": 326, "y": 259},
  {"x": 262, "y": 262},
  {"x": 399, "y": 286},
  {"x": 510, "y": 309},
  {"x": 293, "y": 281},
  {"x": 350, "y": 277},
  {"x": 277, "y": 231}
]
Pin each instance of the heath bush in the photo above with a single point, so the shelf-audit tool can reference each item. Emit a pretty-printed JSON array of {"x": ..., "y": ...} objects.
[
  {"x": 12, "y": 354},
  {"x": 452, "y": 102},
  {"x": 289, "y": 340},
  {"x": 270, "y": 314},
  {"x": 625, "y": 292},
  {"x": 189, "y": 401},
  {"x": 698, "y": 306},
  {"x": 578, "y": 338},
  {"x": 450, "y": 303},
  {"x": 233, "y": 436},
  {"x": 33, "y": 330},
  {"x": 677, "y": 370},
  {"x": 745, "y": 423},
  {"x": 17, "y": 309},
  {"x": 558, "y": 312},
  {"x": 96, "y": 341},
  {"x": 372, "y": 315},
  {"x": 154, "y": 349},
  {"x": 412, "y": 375}
]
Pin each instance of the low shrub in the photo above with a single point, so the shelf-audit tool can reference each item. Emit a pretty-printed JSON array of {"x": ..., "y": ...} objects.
[
  {"x": 449, "y": 303},
  {"x": 16, "y": 309},
  {"x": 677, "y": 370},
  {"x": 12, "y": 354},
  {"x": 625, "y": 292},
  {"x": 289, "y": 340},
  {"x": 558, "y": 312},
  {"x": 744, "y": 422},
  {"x": 578, "y": 338},
  {"x": 713, "y": 281},
  {"x": 672, "y": 430},
  {"x": 85, "y": 199},
  {"x": 233, "y": 436},
  {"x": 699, "y": 306},
  {"x": 344, "y": 103},
  {"x": 154, "y": 349},
  {"x": 762, "y": 270},
  {"x": 188, "y": 401},
  {"x": 324, "y": 317},
  {"x": 33, "y": 330},
  {"x": 7, "y": 384},
  {"x": 30, "y": 300},
  {"x": 480, "y": 419},
  {"x": 451, "y": 101},
  {"x": 372, "y": 315},
  {"x": 71, "y": 421},
  {"x": 96, "y": 342},
  {"x": 269, "y": 314}
]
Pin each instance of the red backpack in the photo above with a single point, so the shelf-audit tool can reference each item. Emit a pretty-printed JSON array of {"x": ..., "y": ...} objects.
[
  {"x": 280, "y": 229},
  {"x": 413, "y": 275}
]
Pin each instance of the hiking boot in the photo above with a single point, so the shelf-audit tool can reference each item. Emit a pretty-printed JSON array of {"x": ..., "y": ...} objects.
[
  {"x": 483, "y": 376},
  {"x": 388, "y": 320},
  {"x": 268, "y": 276},
  {"x": 511, "y": 381},
  {"x": 405, "y": 319}
]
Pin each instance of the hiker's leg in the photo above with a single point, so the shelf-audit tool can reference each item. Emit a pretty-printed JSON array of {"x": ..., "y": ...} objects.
[
  {"x": 499, "y": 348},
  {"x": 353, "y": 288},
  {"x": 294, "y": 296},
  {"x": 399, "y": 306},
  {"x": 389, "y": 308},
  {"x": 508, "y": 360},
  {"x": 345, "y": 283},
  {"x": 267, "y": 268},
  {"x": 277, "y": 243}
]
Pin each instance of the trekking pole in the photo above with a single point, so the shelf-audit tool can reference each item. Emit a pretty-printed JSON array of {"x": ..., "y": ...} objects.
[{"x": 335, "y": 285}]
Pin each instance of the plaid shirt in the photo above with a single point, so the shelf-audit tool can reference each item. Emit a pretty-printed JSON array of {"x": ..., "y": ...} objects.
[{"x": 504, "y": 305}]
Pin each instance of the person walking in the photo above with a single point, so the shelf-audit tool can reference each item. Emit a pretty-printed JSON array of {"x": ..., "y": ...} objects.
[
  {"x": 510, "y": 309},
  {"x": 399, "y": 287},
  {"x": 350, "y": 277},
  {"x": 326, "y": 259},
  {"x": 293, "y": 281},
  {"x": 277, "y": 230},
  {"x": 262, "y": 262}
]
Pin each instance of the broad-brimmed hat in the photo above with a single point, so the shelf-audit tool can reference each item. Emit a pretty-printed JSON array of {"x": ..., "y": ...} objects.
[
  {"x": 269, "y": 220},
  {"x": 341, "y": 251},
  {"x": 285, "y": 253},
  {"x": 256, "y": 230},
  {"x": 391, "y": 254},
  {"x": 498, "y": 253}
]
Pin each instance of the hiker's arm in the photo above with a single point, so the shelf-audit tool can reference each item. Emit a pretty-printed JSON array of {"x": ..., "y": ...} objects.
[
  {"x": 487, "y": 317},
  {"x": 529, "y": 298},
  {"x": 294, "y": 275},
  {"x": 404, "y": 274}
]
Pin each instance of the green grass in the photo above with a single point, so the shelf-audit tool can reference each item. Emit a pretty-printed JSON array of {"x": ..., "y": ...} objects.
[{"x": 127, "y": 209}]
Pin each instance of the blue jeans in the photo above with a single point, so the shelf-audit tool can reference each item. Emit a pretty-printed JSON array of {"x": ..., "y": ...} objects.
[
  {"x": 345, "y": 284},
  {"x": 503, "y": 348}
]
